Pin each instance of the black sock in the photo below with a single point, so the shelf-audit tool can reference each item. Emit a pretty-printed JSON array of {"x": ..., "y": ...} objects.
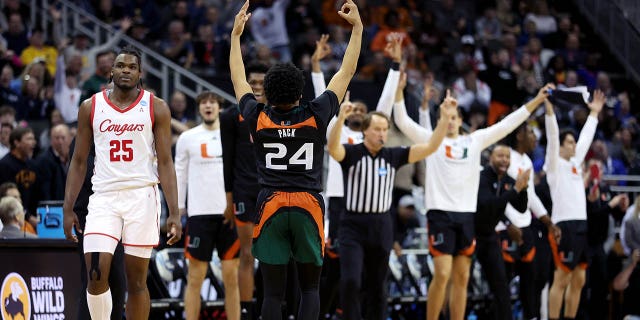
[{"x": 246, "y": 310}]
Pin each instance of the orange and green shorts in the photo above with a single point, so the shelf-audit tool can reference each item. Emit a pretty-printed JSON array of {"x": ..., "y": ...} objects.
[{"x": 289, "y": 225}]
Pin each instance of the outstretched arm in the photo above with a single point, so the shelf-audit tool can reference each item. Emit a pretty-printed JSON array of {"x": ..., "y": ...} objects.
[
  {"x": 323, "y": 49},
  {"x": 552, "y": 133},
  {"x": 448, "y": 111},
  {"x": 589, "y": 129},
  {"x": 394, "y": 50},
  {"x": 341, "y": 79},
  {"x": 412, "y": 130},
  {"x": 236, "y": 65}
]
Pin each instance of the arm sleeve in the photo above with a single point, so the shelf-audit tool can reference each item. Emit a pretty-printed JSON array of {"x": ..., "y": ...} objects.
[
  {"x": 228, "y": 140},
  {"x": 412, "y": 130},
  {"x": 553, "y": 143},
  {"x": 60, "y": 77},
  {"x": 385, "y": 104},
  {"x": 182, "y": 171},
  {"x": 535, "y": 204},
  {"x": 517, "y": 199},
  {"x": 499, "y": 130},
  {"x": 586, "y": 137},
  {"x": 319, "y": 85},
  {"x": 330, "y": 126}
]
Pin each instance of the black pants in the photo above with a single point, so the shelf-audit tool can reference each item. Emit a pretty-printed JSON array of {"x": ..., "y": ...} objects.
[
  {"x": 489, "y": 255},
  {"x": 365, "y": 243},
  {"x": 593, "y": 302},
  {"x": 527, "y": 294},
  {"x": 336, "y": 209},
  {"x": 117, "y": 282},
  {"x": 543, "y": 263}
]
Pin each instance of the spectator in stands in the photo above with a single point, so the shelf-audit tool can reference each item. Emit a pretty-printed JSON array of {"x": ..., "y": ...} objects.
[
  {"x": 108, "y": 12},
  {"x": 404, "y": 218},
  {"x": 488, "y": 27},
  {"x": 37, "y": 49},
  {"x": 150, "y": 14},
  {"x": 81, "y": 46},
  {"x": 66, "y": 93},
  {"x": 37, "y": 69},
  {"x": 545, "y": 23},
  {"x": 509, "y": 21},
  {"x": 12, "y": 216},
  {"x": 18, "y": 167},
  {"x": 500, "y": 77},
  {"x": 268, "y": 28},
  {"x": 472, "y": 93},
  {"x": 16, "y": 34},
  {"x": 55, "y": 118},
  {"x": 558, "y": 38},
  {"x": 610, "y": 165},
  {"x": 10, "y": 189},
  {"x": 99, "y": 80},
  {"x": 572, "y": 53},
  {"x": 302, "y": 16},
  {"x": 375, "y": 69},
  {"x": 5, "y": 132},
  {"x": 263, "y": 55},
  {"x": 177, "y": 45},
  {"x": 556, "y": 70},
  {"x": 52, "y": 164},
  {"x": 182, "y": 117},
  {"x": 469, "y": 55},
  {"x": 8, "y": 96},
  {"x": 390, "y": 28},
  {"x": 629, "y": 147},
  {"x": 36, "y": 103},
  {"x": 208, "y": 51},
  {"x": 628, "y": 281},
  {"x": 19, "y": 8},
  {"x": 427, "y": 36},
  {"x": 415, "y": 65},
  {"x": 527, "y": 68},
  {"x": 403, "y": 16},
  {"x": 604, "y": 84}
]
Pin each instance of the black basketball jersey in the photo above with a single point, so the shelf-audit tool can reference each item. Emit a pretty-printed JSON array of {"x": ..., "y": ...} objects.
[
  {"x": 289, "y": 145},
  {"x": 240, "y": 173}
]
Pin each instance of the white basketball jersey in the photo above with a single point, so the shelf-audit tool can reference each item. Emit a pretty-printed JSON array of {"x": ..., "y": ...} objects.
[{"x": 125, "y": 149}]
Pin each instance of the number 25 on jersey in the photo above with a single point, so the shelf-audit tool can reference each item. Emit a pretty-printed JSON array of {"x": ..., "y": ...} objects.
[
  {"x": 304, "y": 156},
  {"x": 120, "y": 150}
]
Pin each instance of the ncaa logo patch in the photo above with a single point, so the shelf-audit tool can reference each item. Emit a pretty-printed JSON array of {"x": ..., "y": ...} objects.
[
  {"x": 143, "y": 103},
  {"x": 16, "y": 302},
  {"x": 382, "y": 171}
]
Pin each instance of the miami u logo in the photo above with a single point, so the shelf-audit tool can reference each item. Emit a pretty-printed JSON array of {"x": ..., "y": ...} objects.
[
  {"x": 456, "y": 153},
  {"x": 203, "y": 151}
]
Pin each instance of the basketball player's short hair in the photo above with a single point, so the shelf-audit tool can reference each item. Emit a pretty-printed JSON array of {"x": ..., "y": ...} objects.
[
  {"x": 283, "y": 84},
  {"x": 366, "y": 122},
  {"x": 208, "y": 95},
  {"x": 131, "y": 50},
  {"x": 256, "y": 67},
  {"x": 17, "y": 134},
  {"x": 564, "y": 133},
  {"x": 499, "y": 144}
]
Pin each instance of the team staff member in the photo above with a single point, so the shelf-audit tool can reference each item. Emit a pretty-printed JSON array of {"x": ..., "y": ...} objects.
[
  {"x": 496, "y": 190},
  {"x": 289, "y": 140},
  {"x": 451, "y": 201},
  {"x": 366, "y": 233},
  {"x": 519, "y": 255},
  {"x": 563, "y": 163},
  {"x": 130, "y": 130},
  {"x": 117, "y": 281},
  {"x": 199, "y": 171},
  {"x": 241, "y": 184}
]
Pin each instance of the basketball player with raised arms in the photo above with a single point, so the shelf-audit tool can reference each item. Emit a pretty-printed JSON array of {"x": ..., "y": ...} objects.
[
  {"x": 130, "y": 129},
  {"x": 289, "y": 138}
]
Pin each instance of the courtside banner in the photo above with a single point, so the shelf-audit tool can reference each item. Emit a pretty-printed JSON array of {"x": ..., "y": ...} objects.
[{"x": 40, "y": 279}]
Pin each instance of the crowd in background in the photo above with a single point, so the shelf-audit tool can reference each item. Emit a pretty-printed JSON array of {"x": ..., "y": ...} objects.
[{"x": 493, "y": 54}]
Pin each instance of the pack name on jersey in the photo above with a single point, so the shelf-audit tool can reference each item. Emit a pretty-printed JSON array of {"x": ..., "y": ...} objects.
[
  {"x": 119, "y": 128},
  {"x": 287, "y": 133}
]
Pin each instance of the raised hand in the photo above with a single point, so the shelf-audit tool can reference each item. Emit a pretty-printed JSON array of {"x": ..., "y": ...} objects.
[
  {"x": 598, "y": 102},
  {"x": 349, "y": 12},
  {"x": 323, "y": 49},
  {"x": 393, "y": 49},
  {"x": 241, "y": 20},
  {"x": 449, "y": 107},
  {"x": 543, "y": 93},
  {"x": 346, "y": 108}
]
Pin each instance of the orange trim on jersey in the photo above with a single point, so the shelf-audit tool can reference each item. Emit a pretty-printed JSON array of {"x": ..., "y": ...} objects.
[
  {"x": 303, "y": 200},
  {"x": 93, "y": 109},
  {"x": 529, "y": 256},
  {"x": 153, "y": 119},
  {"x": 102, "y": 234},
  {"x": 232, "y": 252},
  {"x": 556, "y": 256},
  {"x": 240, "y": 118},
  {"x": 507, "y": 258},
  {"x": 265, "y": 123},
  {"x": 468, "y": 251},
  {"x": 188, "y": 255},
  {"x": 583, "y": 265},
  {"x": 104, "y": 94}
]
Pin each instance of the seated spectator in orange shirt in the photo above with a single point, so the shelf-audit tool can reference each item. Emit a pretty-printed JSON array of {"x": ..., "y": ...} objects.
[{"x": 391, "y": 28}]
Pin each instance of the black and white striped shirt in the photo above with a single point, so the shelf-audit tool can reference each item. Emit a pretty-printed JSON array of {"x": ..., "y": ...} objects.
[{"x": 368, "y": 180}]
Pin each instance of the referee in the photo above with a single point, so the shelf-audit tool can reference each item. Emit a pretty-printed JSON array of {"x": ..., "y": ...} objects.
[{"x": 366, "y": 228}]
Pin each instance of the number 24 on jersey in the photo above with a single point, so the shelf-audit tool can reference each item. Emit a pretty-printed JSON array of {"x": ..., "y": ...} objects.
[{"x": 304, "y": 156}]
